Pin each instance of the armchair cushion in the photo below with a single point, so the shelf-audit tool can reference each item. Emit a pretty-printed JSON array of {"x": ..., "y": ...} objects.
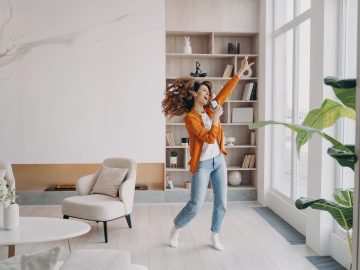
[
  {"x": 93, "y": 207},
  {"x": 109, "y": 181}
]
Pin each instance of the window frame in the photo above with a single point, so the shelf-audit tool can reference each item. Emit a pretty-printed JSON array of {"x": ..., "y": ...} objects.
[
  {"x": 294, "y": 25},
  {"x": 343, "y": 72}
]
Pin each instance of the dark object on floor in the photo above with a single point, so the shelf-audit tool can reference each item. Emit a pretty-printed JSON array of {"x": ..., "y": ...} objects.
[
  {"x": 285, "y": 229},
  {"x": 198, "y": 71},
  {"x": 61, "y": 187},
  {"x": 325, "y": 263},
  {"x": 141, "y": 187}
]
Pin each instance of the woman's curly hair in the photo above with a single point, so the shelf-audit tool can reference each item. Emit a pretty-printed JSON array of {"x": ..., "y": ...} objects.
[{"x": 179, "y": 98}]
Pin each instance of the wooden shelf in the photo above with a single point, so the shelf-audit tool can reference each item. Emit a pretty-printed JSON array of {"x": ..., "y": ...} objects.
[
  {"x": 241, "y": 187},
  {"x": 188, "y": 33},
  {"x": 223, "y": 124},
  {"x": 226, "y": 146},
  {"x": 241, "y": 101},
  {"x": 238, "y": 168},
  {"x": 210, "y": 49},
  {"x": 169, "y": 169},
  {"x": 230, "y": 168},
  {"x": 240, "y": 146},
  {"x": 235, "y": 124},
  {"x": 208, "y": 55},
  {"x": 213, "y": 78}
]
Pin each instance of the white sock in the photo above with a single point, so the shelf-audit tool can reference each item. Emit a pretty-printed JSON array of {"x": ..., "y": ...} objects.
[
  {"x": 216, "y": 242},
  {"x": 174, "y": 234}
]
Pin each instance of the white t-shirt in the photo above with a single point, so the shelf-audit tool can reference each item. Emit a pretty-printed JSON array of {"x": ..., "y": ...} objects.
[{"x": 209, "y": 150}]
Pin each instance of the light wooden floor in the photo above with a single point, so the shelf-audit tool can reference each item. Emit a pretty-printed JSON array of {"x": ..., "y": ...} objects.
[{"x": 250, "y": 242}]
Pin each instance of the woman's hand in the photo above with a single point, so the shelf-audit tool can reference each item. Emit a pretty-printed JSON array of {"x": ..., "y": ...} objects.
[
  {"x": 244, "y": 66},
  {"x": 218, "y": 111}
]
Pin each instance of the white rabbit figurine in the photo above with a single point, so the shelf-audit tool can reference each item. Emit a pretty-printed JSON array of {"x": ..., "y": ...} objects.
[{"x": 187, "y": 47}]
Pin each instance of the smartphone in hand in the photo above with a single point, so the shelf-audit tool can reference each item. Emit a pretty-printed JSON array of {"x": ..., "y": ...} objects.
[{"x": 214, "y": 103}]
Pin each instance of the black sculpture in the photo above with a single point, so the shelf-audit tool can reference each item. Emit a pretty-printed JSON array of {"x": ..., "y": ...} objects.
[{"x": 198, "y": 71}]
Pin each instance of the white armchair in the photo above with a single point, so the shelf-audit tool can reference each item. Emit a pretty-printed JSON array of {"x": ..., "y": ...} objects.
[{"x": 99, "y": 207}]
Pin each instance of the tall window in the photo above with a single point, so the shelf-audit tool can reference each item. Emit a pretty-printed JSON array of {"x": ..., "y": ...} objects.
[{"x": 291, "y": 93}]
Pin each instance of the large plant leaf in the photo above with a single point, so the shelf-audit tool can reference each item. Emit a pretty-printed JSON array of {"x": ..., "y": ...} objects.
[
  {"x": 345, "y": 90},
  {"x": 344, "y": 197},
  {"x": 299, "y": 128},
  {"x": 323, "y": 117},
  {"x": 345, "y": 159},
  {"x": 342, "y": 215}
]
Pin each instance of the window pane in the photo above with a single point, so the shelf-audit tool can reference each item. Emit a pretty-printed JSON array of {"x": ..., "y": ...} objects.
[
  {"x": 303, "y": 101},
  {"x": 304, "y": 5},
  {"x": 283, "y": 113},
  {"x": 283, "y": 11}
]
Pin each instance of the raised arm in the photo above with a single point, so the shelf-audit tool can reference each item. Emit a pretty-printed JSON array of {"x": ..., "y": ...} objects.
[{"x": 226, "y": 91}]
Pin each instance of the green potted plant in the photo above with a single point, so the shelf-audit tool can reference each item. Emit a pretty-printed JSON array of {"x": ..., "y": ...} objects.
[{"x": 315, "y": 121}]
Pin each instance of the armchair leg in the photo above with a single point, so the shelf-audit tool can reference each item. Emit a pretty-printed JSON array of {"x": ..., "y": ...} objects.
[
  {"x": 128, "y": 220},
  {"x": 105, "y": 231},
  {"x": 65, "y": 217}
]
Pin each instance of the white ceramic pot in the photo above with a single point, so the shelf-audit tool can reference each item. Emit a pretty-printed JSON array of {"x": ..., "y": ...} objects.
[
  {"x": 11, "y": 217},
  {"x": 173, "y": 161}
]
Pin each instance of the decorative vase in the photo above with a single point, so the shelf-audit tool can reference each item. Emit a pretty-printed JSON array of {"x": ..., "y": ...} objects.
[
  {"x": 2, "y": 207},
  {"x": 252, "y": 138},
  {"x": 234, "y": 178},
  {"x": 11, "y": 217},
  {"x": 187, "y": 47}
]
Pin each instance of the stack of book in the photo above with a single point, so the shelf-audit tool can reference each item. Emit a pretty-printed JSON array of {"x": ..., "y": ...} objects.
[
  {"x": 170, "y": 138},
  {"x": 248, "y": 161},
  {"x": 227, "y": 71},
  {"x": 250, "y": 91}
]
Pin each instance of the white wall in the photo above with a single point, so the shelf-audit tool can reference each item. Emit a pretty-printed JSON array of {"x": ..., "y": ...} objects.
[
  {"x": 81, "y": 80},
  {"x": 213, "y": 15}
]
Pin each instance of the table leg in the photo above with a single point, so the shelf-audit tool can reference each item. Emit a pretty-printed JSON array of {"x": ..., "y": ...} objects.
[
  {"x": 69, "y": 245},
  {"x": 11, "y": 251}
]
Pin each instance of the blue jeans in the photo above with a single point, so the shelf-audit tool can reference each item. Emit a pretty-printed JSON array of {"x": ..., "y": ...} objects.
[{"x": 215, "y": 168}]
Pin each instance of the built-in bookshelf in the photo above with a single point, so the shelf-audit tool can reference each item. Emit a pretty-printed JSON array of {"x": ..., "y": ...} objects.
[{"x": 210, "y": 49}]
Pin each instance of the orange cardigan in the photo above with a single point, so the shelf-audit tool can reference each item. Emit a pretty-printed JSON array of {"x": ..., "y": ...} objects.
[{"x": 196, "y": 129}]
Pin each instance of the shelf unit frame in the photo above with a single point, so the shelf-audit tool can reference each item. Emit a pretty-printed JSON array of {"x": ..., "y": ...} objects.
[{"x": 209, "y": 46}]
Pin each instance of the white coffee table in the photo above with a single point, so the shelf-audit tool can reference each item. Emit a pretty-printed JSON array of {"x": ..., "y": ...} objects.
[{"x": 41, "y": 229}]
